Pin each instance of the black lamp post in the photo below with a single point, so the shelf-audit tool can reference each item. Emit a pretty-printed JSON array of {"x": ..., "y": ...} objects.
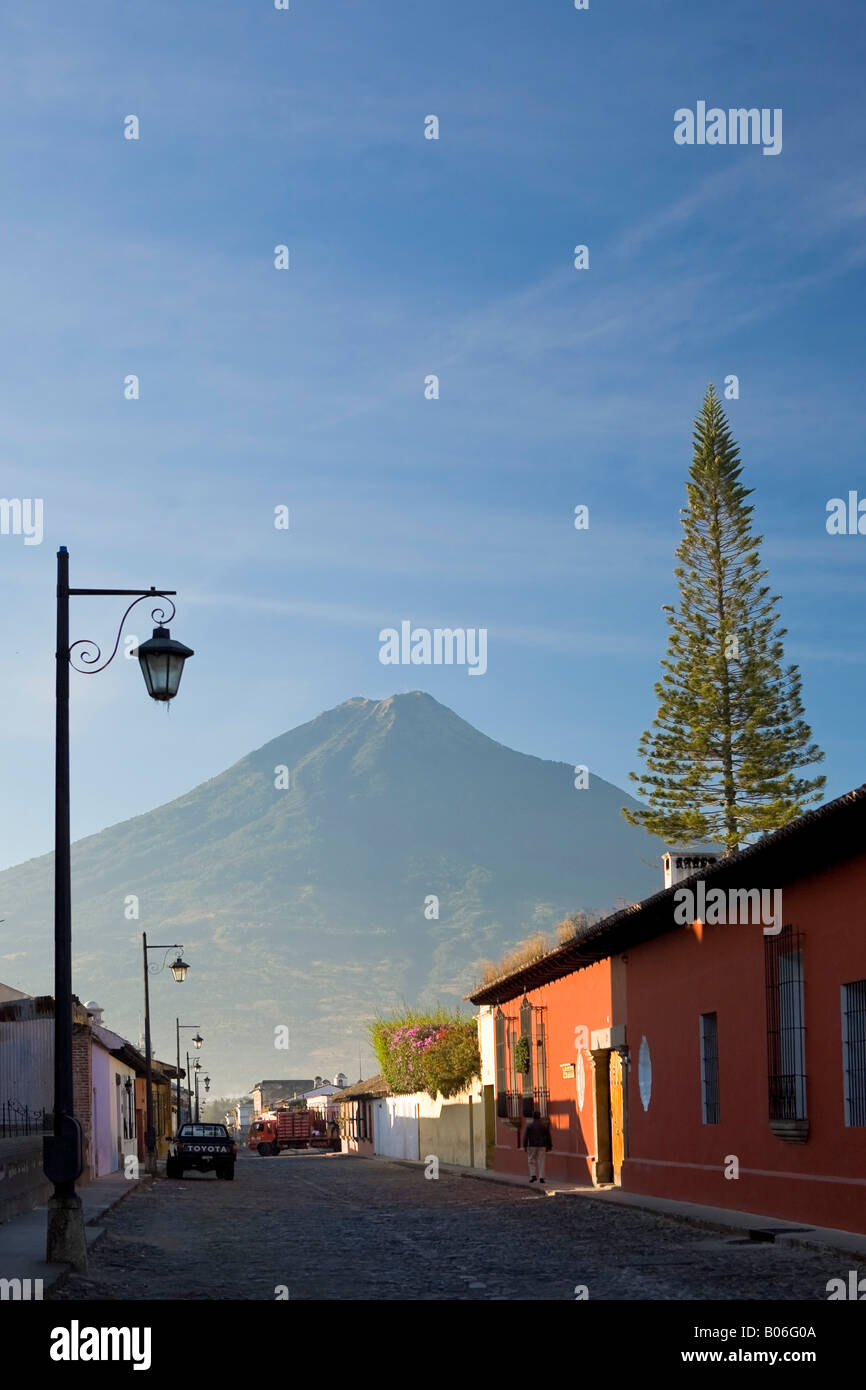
[
  {"x": 197, "y": 1042},
  {"x": 196, "y": 1068},
  {"x": 62, "y": 1157},
  {"x": 178, "y": 969},
  {"x": 188, "y": 1089}
]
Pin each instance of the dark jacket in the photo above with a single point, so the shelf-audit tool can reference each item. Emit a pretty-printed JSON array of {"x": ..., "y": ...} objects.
[{"x": 537, "y": 1135}]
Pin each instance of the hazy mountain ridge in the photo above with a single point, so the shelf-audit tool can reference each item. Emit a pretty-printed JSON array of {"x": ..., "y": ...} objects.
[{"x": 305, "y": 906}]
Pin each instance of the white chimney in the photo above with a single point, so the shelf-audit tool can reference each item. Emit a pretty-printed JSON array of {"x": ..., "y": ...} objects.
[
  {"x": 95, "y": 1010},
  {"x": 682, "y": 863}
]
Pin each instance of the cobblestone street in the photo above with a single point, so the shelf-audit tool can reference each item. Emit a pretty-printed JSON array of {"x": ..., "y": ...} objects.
[{"x": 336, "y": 1227}]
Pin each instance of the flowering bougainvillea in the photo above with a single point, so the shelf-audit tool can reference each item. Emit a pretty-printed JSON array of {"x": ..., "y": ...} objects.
[{"x": 438, "y": 1055}]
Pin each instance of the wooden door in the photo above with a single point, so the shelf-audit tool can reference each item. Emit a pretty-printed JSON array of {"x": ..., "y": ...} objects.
[
  {"x": 617, "y": 1127},
  {"x": 489, "y": 1127}
]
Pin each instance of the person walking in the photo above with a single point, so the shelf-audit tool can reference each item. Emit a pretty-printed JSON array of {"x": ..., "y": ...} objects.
[{"x": 537, "y": 1143}]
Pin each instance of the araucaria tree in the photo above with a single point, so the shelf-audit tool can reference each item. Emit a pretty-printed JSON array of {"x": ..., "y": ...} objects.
[{"x": 724, "y": 751}]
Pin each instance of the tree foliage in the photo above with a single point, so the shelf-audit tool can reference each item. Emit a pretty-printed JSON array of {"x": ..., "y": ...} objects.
[
  {"x": 725, "y": 748},
  {"x": 437, "y": 1053}
]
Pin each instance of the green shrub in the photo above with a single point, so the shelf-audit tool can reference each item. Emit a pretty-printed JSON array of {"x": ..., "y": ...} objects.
[{"x": 436, "y": 1053}]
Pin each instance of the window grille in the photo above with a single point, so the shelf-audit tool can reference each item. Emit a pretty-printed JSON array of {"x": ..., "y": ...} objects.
[
  {"x": 709, "y": 1034},
  {"x": 501, "y": 1064},
  {"x": 525, "y": 1078},
  {"x": 515, "y": 1089},
  {"x": 540, "y": 1091},
  {"x": 786, "y": 1030},
  {"x": 854, "y": 1051}
]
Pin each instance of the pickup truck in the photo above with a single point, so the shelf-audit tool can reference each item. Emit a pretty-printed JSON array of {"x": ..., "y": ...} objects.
[{"x": 203, "y": 1146}]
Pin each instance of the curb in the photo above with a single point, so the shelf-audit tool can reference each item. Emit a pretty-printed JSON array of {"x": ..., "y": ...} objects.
[
  {"x": 825, "y": 1238},
  {"x": 93, "y": 1232},
  {"x": 116, "y": 1201},
  {"x": 850, "y": 1244}
]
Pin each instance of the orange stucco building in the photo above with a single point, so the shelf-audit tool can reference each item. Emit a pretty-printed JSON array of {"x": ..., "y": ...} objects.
[{"x": 719, "y": 1061}]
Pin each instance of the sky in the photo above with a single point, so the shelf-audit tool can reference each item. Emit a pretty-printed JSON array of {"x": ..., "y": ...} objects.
[{"x": 411, "y": 257}]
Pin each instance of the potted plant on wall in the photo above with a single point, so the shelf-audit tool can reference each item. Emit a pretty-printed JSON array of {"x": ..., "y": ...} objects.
[{"x": 521, "y": 1054}]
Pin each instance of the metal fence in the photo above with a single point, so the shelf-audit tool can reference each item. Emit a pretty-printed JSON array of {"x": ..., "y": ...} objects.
[{"x": 17, "y": 1120}]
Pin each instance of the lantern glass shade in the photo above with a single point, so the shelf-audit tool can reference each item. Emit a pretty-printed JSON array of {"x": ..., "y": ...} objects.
[
  {"x": 178, "y": 969},
  {"x": 198, "y": 1040},
  {"x": 161, "y": 659},
  {"x": 196, "y": 1066}
]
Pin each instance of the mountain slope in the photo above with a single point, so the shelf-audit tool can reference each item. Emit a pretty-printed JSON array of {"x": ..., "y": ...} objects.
[{"x": 304, "y": 906}]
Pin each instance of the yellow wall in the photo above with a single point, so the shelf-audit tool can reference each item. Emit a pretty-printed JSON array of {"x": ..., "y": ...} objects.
[{"x": 444, "y": 1127}]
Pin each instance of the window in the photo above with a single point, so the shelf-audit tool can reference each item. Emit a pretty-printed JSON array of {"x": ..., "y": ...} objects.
[
  {"x": 709, "y": 1034},
  {"x": 541, "y": 1093},
  {"x": 854, "y": 1051},
  {"x": 786, "y": 1031},
  {"x": 500, "y": 1026},
  {"x": 525, "y": 1078},
  {"x": 518, "y": 1091}
]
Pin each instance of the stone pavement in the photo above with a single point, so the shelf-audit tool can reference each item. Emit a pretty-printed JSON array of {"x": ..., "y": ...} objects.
[
  {"x": 22, "y": 1240},
  {"x": 720, "y": 1218},
  {"x": 338, "y": 1227}
]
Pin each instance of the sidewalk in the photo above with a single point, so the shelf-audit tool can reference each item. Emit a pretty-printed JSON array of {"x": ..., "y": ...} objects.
[
  {"x": 22, "y": 1240},
  {"x": 740, "y": 1223}
]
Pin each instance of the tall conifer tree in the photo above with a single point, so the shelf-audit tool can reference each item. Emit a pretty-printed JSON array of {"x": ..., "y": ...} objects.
[{"x": 724, "y": 751}]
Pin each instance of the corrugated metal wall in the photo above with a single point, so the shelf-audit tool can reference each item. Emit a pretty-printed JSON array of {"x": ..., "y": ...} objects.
[{"x": 27, "y": 1053}]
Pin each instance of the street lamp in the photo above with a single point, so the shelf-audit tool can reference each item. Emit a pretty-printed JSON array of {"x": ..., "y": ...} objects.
[
  {"x": 197, "y": 1042},
  {"x": 196, "y": 1068},
  {"x": 63, "y": 1150},
  {"x": 190, "y": 1072},
  {"x": 178, "y": 970},
  {"x": 161, "y": 660}
]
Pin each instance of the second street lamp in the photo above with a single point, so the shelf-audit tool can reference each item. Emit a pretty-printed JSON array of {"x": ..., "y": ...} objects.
[
  {"x": 178, "y": 968},
  {"x": 197, "y": 1042},
  {"x": 197, "y": 1067},
  {"x": 190, "y": 1072}
]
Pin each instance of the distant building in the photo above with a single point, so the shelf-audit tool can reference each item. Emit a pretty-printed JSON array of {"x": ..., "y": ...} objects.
[
  {"x": 355, "y": 1110},
  {"x": 319, "y": 1098},
  {"x": 267, "y": 1094},
  {"x": 8, "y": 994}
]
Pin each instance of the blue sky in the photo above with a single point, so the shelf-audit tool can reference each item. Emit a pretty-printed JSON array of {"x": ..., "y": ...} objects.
[{"x": 411, "y": 257}]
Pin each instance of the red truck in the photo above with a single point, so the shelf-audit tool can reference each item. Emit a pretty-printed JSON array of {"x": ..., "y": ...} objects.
[{"x": 288, "y": 1129}]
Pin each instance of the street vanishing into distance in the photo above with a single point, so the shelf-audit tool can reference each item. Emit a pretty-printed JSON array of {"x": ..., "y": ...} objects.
[{"x": 334, "y": 1226}]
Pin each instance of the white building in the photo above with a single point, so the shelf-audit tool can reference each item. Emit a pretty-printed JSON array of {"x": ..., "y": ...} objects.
[
  {"x": 318, "y": 1099},
  {"x": 113, "y": 1118}
]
